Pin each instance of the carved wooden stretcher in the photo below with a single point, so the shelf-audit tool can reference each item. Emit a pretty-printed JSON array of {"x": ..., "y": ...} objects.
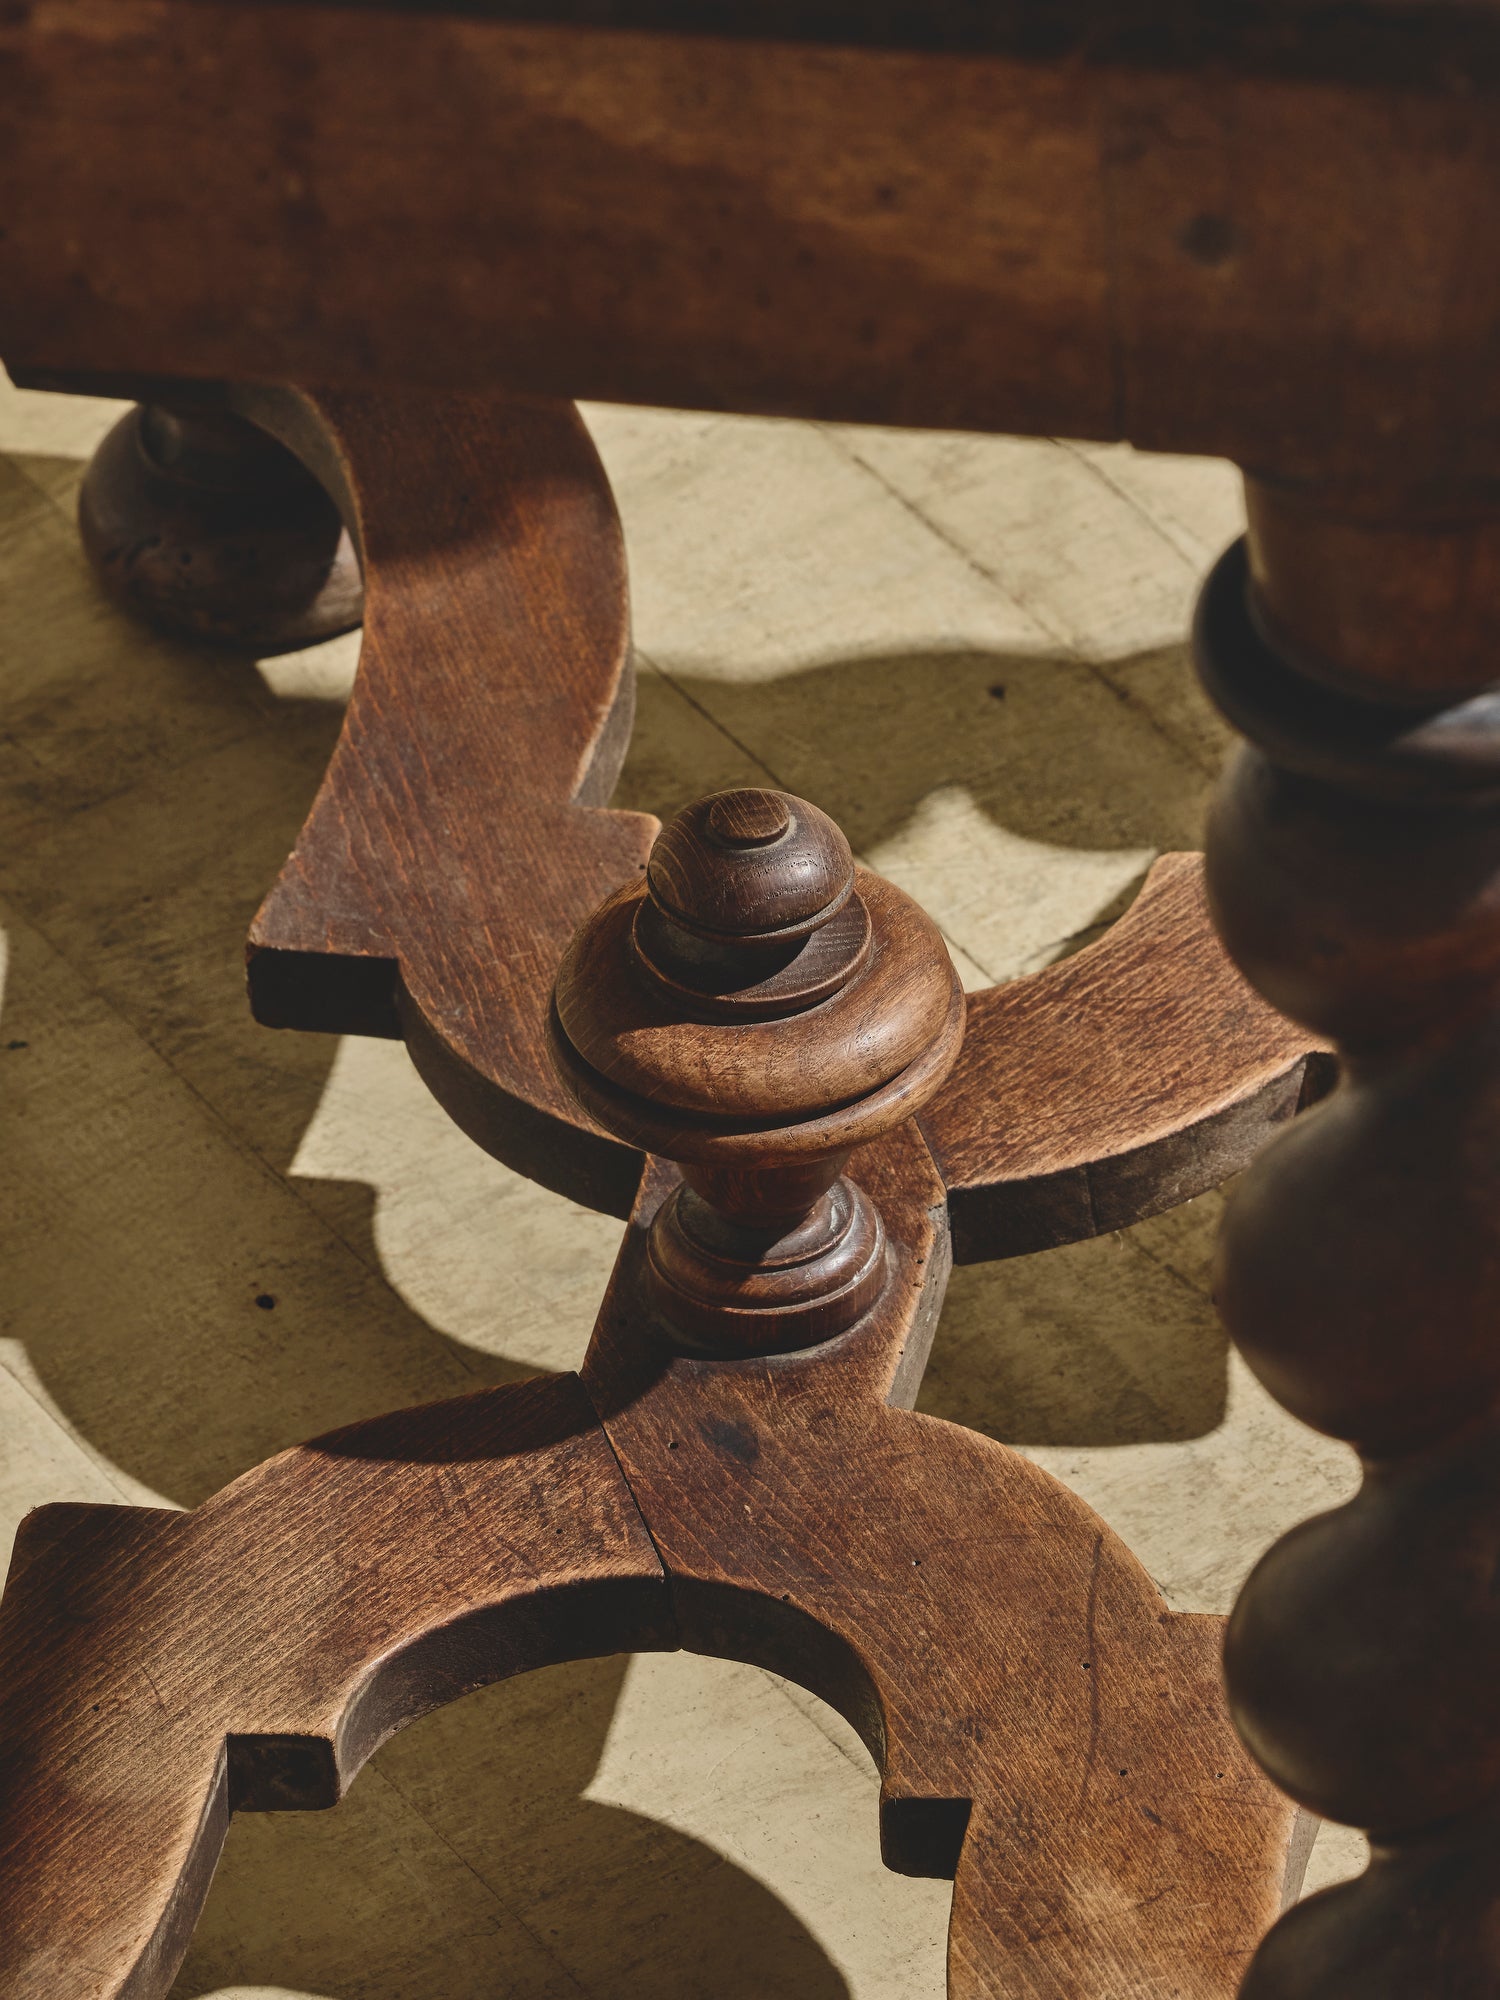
[
  {"x": 1251, "y": 233},
  {"x": 1042, "y": 1725}
]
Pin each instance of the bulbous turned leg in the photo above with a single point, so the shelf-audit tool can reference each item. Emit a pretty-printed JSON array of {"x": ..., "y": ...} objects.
[
  {"x": 1354, "y": 869},
  {"x": 207, "y": 528}
]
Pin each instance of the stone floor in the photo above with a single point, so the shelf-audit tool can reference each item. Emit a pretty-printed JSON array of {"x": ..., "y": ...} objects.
[{"x": 971, "y": 652}]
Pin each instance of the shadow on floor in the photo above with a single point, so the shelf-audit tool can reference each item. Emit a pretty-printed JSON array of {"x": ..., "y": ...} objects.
[
  {"x": 547, "y": 1900},
  {"x": 1047, "y": 748},
  {"x": 151, "y": 792}
]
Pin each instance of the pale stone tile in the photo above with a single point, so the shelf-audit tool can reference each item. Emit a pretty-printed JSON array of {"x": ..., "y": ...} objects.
[
  {"x": 474, "y": 1251},
  {"x": 62, "y": 428},
  {"x": 91, "y": 699},
  {"x": 183, "y": 1309},
  {"x": 757, "y": 549},
  {"x": 1013, "y": 900},
  {"x": 1101, "y": 577},
  {"x": 1105, "y": 1363},
  {"x": 802, "y": 1820},
  {"x": 1163, "y": 685},
  {"x": 1338, "y": 1852},
  {"x": 678, "y": 1828},
  {"x": 1198, "y": 504},
  {"x": 367, "y": 1901},
  {"x": 863, "y": 659},
  {"x": 39, "y": 1461},
  {"x": 318, "y": 673},
  {"x": 971, "y": 973},
  {"x": 1105, "y": 547},
  {"x": 150, "y": 894},
  {"x": 1199, "y": 1513},
  {"x": 678, "y": 752}
]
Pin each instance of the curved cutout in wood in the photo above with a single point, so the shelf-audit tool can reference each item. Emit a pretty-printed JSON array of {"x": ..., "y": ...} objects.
[
  {"x": 457, "y": 842},
  {"x": 1043, "y": 1725}
]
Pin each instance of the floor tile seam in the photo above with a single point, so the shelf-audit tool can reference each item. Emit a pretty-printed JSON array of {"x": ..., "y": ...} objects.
[
  {"x": 1204, "y": 1293},
  {"x": 1067, "y": 645},
  {"x": 1137, "y": 506},
  {"x": 1181, "y": 746},
  {"x": 784, "y": 1683},
  {"x": 707, "y": 714},
  {"x": 976, "y": 564},
  {"x": 506, "y": 1907},
  {"x": 65, "y": 512},
  {"x": 1195, "y": 572},
  {"x": 780, "y": 1682}
]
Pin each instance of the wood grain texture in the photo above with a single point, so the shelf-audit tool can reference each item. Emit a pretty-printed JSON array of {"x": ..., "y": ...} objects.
[
  {"x": 163, "y": 1670},
  {"x": 1353, "y": 586},
  {"x": 1355, "y": 883},
  {"x": 649, "y": 1040},
  {"x": 767, "y": 1248},
  {"x": 1326, "y": 38},
  {"x": 1045, "y": 1728},
  {"x": 1212, "y": 230},
  {"x": 1111, "y": 1085},
  {"x": 449, "y": 855},
  {"x": 1042, "y": 1724},
  {"x": 452, "y": 840}
]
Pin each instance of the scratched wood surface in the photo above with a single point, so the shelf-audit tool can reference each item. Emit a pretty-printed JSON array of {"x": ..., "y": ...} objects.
[
  {"x": 1037, "y": 1716},
  {"x": 1041, "y": 1723},
  {"x": 790, "y": 639},
  {"x": 456, "y": 844},
  {"x": 494, "y": 1535},
  {"x": 1082, "y": 1100},
  {"x": 1169, "y": 223}
]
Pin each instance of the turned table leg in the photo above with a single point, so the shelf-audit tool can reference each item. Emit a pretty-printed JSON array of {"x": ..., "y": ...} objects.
[
  {"x": 206, "y": 527},
  {"x": 1354, "y": 870}
]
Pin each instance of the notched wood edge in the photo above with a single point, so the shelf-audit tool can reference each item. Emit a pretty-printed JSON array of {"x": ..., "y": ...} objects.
[{"x": 1017, "y": 1218}]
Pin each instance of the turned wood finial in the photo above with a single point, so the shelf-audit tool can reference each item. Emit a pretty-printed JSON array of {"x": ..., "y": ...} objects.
[{"x": 754, "y": 1009}]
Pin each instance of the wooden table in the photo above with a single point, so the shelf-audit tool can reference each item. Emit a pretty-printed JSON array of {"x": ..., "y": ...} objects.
[{"x": 1266, "y": 236}]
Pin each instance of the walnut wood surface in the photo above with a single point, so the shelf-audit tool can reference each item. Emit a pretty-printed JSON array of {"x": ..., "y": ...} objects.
[
  {"x": 1327, "y": 38},
  {"x": 451, "y": 833},
  {"x": 995, "y": 1644},
  {"x": 1039, "y": 1718},
  {"x": 163, "y": 1670},
  {"x": 1043, "y": 1725},
  {"x": 1353, "y": 866},
  {"x": 449, "y": 857},
  {"x": 638, "y": 1036},
  {"x": 1212, "y": 229},
  {"x": 1108, "y": 1087}
]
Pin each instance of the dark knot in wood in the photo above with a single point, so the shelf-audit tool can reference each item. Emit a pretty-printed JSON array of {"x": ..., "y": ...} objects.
[{"x": 753, "y": 1010}]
